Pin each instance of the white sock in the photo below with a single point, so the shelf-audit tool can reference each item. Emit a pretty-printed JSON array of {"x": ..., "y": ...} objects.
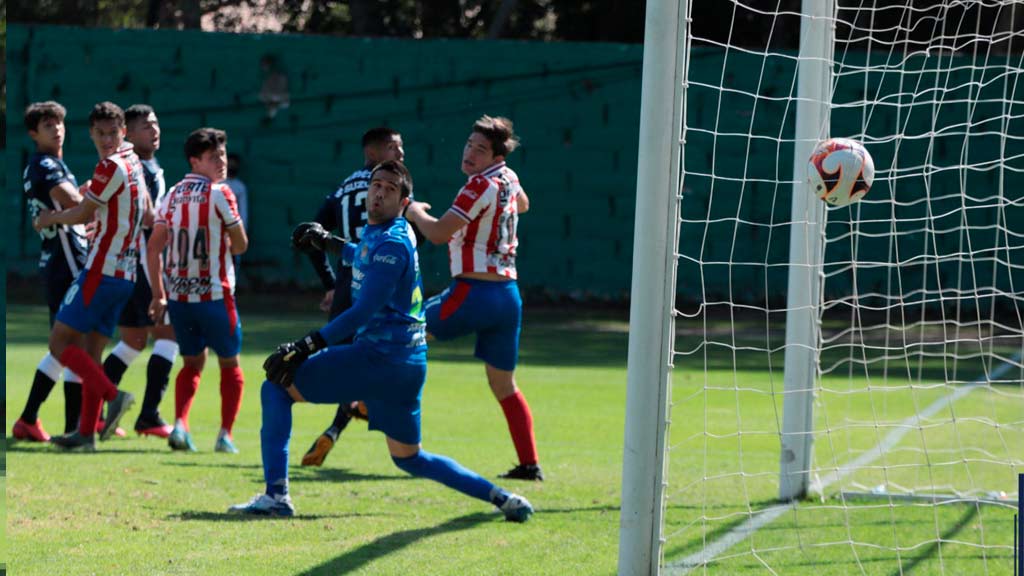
[
  {"x": 50, "y": 366},
  {"x": 125, "y": 353}
]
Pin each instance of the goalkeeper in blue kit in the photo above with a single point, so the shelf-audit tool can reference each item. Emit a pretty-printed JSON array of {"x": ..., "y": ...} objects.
[{"x": 385, "y": 366}]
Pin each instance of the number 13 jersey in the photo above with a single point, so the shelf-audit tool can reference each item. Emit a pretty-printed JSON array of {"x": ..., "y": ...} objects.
[{"x": 198, "y": 265}]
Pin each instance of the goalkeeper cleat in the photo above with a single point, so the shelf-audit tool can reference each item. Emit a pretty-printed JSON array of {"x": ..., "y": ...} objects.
[
  {"x": 318, "y": 452},
  {"x": 524, "y": 472},
  {"x": 75, "y": 442},
  {"x": 358, "y": 411},
  {"x": 145, "y": 426},
  {"x": 33, "y": 432},
  {"x": 116, "y": 408},
  {"x": 224, "y": 444},
  {"x": 180, "y": 439},
  {"x": 265, "y": 505},
  {"x": 516, "y": 509}
]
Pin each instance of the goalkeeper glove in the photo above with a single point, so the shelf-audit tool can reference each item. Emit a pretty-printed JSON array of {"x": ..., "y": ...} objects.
[
  {"x": 286, "y": 359},
  {"x": 310, "y": 236}
]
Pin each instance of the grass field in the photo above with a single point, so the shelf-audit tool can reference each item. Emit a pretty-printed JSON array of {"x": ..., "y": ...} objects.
[{"x": 137, "y": 508}]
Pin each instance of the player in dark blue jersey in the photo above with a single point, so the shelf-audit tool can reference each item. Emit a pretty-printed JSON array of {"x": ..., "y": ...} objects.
[
  {"x": 385, "y": 365},
  {"x": 50, "y": 185},
  {"x": 135, "y": 326},
  {"x": 344, "y": 212}
]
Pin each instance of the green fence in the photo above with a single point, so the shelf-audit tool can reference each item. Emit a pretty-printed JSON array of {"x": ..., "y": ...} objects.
[{"x": 576, "y": 107}]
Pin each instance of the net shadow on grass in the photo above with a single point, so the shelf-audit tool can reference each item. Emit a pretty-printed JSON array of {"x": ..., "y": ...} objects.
[{"x": 382, "y": 546}]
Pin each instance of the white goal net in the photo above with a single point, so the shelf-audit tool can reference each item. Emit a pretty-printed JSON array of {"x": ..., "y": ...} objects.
[{"x": 883, "y": 339}]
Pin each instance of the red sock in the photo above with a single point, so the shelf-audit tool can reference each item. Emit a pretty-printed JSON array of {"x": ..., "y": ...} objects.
[
  {"x": 231, "y": 383},
  {"x": 185, "y": 386},
  {"x": 96, "y": 387},
  {"x": 520, "y": 424}
]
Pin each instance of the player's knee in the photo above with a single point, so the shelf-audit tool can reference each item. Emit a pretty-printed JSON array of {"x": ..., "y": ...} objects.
[
  {"x": 414, "y": 464},
  {"x": 271, "y": 394}
]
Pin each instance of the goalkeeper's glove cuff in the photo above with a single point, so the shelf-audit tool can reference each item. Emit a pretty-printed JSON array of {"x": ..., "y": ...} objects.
[{"x": 311, "y": 343}]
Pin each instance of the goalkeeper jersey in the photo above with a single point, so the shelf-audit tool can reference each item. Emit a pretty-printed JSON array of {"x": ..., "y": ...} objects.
[{"x": 387, "y": 293}]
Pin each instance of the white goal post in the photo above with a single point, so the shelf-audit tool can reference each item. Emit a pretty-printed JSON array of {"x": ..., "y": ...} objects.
[{"x": 826, "y": 386}]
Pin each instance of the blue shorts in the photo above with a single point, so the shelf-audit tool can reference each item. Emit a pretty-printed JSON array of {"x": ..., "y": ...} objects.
[
  {"x": 200, "y": 324},
  {"x": 94, "y": 304},
  {"x": 492, "y": 310},
  {"x": 391, "y": 389}
]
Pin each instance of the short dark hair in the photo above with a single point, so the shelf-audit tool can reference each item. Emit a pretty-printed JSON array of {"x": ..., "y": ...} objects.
[
  {"x": 398, "y": 169},
  {"x": 204, "y": 139},
  {"x": 137, "y": 112},
  {"x": 37, "y": 111},
  {"x": 106, "y": 111},
  {"x": 379, "y": 135},
  {"x": 498, "y": 131}
]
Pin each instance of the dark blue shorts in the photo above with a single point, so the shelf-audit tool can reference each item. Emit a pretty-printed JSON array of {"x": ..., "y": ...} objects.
[
  {"x": 136, "y": 311},
  {"x": 57, "y": 278},
  {"x": 491, "y": 310},
  {"x": 200, "y": 324},
  {"x": 391, "y": 388},
  {"x": 95, "y": 308}
]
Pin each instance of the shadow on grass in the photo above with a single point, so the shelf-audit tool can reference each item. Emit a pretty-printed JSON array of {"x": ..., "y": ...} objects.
[
  {"x": 362, "y": 556},
  {"x": 207, "y": 516},
  {"x": 297, "y": 473},
  {"x": 38, "y": 447}
]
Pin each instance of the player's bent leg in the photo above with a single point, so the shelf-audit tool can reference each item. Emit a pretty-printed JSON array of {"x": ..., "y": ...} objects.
[
  {"x": 322, "y": 446},
  {"x": 133, "y": 341},
  {"x": 420, "y": 463}
]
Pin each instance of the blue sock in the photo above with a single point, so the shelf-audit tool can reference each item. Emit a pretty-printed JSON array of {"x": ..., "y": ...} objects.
[
  {"x": 274, "y": 437},
  {"x": 450, "y": 473}
]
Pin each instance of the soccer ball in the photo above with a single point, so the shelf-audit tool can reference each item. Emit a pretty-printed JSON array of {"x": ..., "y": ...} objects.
[{"x": 840, "y": 171}]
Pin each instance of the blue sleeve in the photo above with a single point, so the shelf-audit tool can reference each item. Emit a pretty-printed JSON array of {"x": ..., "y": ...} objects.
[
  {"x": 348, "y": 253},
  {"x": 380, "y": 279}
]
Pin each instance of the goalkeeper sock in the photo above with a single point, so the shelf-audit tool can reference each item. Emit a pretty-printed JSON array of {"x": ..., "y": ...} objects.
[
  {"x": 520, "y": 425},
  {"x": 232, "y": 382},
  {"x": 185, "y": 386},
  {"x": 275, "y": 433},
  {"x": 448, "y": 472}
]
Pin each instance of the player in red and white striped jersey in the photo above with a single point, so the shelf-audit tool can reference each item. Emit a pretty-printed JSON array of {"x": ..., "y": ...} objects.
[
  {"x": 118, "y": 200},
  {"x": 198, "y": 223},
  {"x": 480, "y": 230}
]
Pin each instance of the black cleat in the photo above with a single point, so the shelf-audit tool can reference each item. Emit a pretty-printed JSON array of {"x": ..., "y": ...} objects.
[
  {"x": 524, "y": 472},
  {"x": 116, "y": 408},
  {"x": 75, "y": 442}
]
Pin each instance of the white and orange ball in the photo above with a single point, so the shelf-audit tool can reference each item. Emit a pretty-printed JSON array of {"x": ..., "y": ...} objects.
[{"x": 840, "y": 171}]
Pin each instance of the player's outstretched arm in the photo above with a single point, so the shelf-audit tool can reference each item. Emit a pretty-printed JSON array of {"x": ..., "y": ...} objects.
[
  {"x": 80, "y": 214},
  {"x": 437, "y": 230}
]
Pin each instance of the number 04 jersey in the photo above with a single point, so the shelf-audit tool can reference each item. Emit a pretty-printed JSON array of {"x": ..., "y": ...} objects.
[{"x": 198, "y": 266}]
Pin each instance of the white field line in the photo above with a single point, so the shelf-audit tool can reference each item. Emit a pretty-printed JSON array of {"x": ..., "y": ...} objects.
[{"x": 768, "y": 515}]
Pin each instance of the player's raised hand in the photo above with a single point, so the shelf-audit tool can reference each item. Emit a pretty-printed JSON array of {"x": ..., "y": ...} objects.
[{"x": 309, "y": 236}]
